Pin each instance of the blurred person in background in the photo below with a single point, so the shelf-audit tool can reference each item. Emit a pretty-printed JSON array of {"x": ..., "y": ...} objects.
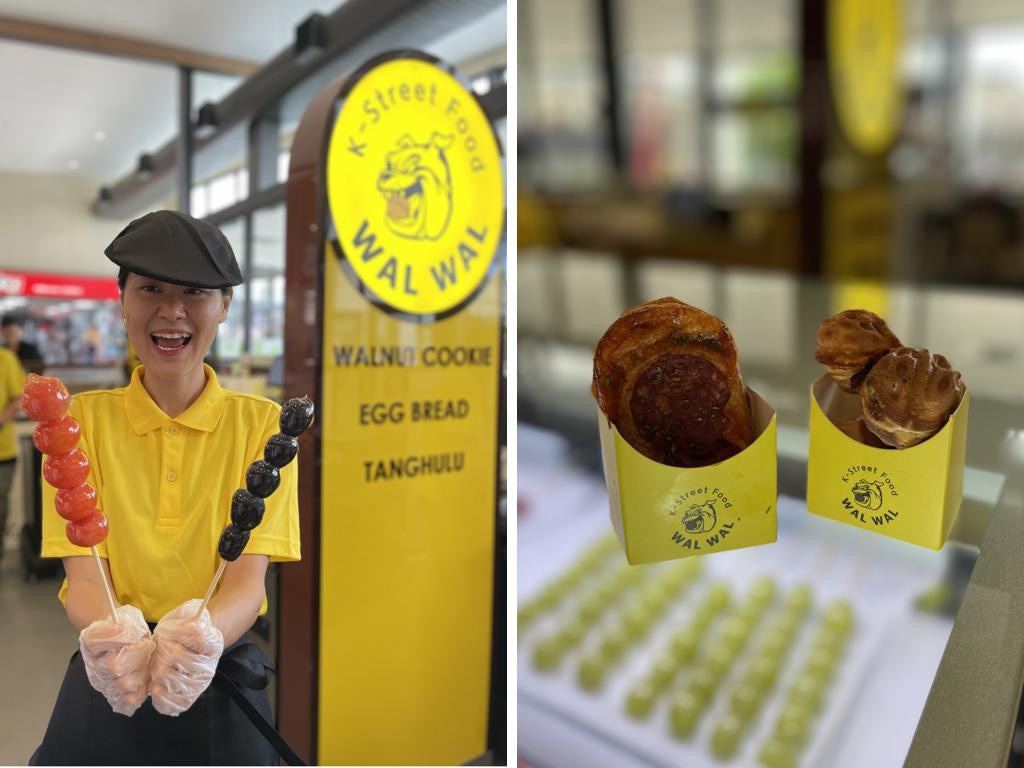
[
  {"x": 29, "y": 355},
  {"x": 12, "y": 379}
]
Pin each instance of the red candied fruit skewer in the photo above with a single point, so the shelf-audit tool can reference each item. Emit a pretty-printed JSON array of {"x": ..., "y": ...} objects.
[{"x": 46, "y": 400}]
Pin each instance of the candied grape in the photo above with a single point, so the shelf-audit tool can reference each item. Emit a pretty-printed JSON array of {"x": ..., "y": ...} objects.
[
  {"x": 280, "y": 449},
  {"x": 640, "y": 700},
  {"x": 725, "y": 739},
  {"x": 89, "y": 531},
  {"x": 232, "y": 542},
  {"x": 67, "y": 469},
  {"x": 56, "y": 436},
  {"x": 246, "y": 510},
  {"x": 297, "y": 416},
  {"x": 591, "y": 672},
  {"x": 685, "y": 712},
  {"x": 75, "y": 503},
  {"x": 44, "y": 398},
  {"x": 262, "y": 478}
]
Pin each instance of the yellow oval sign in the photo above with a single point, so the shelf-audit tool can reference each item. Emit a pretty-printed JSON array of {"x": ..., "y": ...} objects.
[
  {"x": 415, "y": 187},
  {"x": 865, "y": 41}
]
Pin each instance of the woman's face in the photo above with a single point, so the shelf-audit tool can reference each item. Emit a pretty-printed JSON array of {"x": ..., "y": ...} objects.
[{"x": 171, "y": 326}]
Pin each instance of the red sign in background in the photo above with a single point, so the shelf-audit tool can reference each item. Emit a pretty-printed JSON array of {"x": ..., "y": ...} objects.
[{"x": 39, "y": 285}]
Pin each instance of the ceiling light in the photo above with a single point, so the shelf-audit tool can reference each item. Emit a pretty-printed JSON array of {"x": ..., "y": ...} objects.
[
  {"x": 206, "y": 122},
  {"x": 145, "y": 165},
  {"x": 99, "y": 136},
  {"x": 310, "y": 38}
]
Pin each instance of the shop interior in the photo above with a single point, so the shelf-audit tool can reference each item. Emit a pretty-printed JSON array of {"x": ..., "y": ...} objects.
[{"x": 735, "y": 155}]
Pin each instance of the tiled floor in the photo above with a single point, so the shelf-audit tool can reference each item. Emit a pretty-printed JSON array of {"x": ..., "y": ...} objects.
[{"x": 36, "y": 642}]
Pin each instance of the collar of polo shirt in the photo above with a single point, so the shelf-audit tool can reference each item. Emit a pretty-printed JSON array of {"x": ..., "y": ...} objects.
[{"x": 145, "y": 415}]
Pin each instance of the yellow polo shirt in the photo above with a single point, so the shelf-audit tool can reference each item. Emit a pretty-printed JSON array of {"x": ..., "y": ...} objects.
[
  {"x": 166, "y": 484},
  {"x": 12, "y": 381}
]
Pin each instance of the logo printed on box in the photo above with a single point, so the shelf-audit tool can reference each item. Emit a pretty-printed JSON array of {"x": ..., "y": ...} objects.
[
  {"x": 870, "y": 497},
  {"x": 699, "y": 527}
]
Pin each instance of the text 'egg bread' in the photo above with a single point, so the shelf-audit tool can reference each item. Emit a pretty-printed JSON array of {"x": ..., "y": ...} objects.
[
  {"x": 850, "y": 343},
  {"x": 909, "y": 395},
  {"x": 666, "y": 375}
]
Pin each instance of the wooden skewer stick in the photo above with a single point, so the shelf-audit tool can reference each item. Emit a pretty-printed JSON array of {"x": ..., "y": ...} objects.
[
  {"x": 106, "y": 585},
  {"x": 213, "y": 586}
]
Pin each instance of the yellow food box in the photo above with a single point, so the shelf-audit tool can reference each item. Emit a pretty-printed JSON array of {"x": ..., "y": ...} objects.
[
  {"x": 665, "y": 513},
  {"x": 912, "y": 494}
]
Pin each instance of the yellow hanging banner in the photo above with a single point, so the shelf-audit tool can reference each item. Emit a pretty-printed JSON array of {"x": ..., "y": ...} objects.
[
  {"x": 865, "y": 40},
  {"x": 411, "y": 367}
]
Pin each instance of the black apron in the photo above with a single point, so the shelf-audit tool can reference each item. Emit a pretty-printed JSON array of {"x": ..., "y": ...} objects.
[{"x": 84, "y": 730}]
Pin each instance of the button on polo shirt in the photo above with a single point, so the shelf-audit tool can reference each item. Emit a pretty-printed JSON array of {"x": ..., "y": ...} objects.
[{"x": 166, "y": 484}]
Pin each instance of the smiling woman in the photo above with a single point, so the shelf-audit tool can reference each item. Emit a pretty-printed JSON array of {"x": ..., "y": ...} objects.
[{"x": 167, "y": 453}]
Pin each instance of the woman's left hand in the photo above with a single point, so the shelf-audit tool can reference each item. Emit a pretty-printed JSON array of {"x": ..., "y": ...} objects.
[{"x": 187, "y": 651}]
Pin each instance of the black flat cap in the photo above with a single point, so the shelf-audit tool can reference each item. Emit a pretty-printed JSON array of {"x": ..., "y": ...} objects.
[{"x": 173, "y": 247}]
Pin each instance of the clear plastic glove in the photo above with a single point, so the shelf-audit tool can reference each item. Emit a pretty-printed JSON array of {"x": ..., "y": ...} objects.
[
  {"x": 117, "y": 658},
  {"x": 187, "y": 652}
]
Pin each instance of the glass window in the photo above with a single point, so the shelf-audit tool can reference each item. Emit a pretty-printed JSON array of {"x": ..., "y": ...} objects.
[
  {"x": 660, "y": 107},
  {"x": 231, "y": 337},
  {"x": 267, "y": 283},
  {"x": 562, "y": 143}
]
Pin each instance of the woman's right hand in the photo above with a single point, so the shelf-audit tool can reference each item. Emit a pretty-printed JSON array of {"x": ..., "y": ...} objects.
[{"x": 117, "y": 658}]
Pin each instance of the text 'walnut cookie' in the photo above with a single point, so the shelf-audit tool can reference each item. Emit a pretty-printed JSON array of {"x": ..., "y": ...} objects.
[
  {"x": 909, "y": 395},
  {"x": 850, "y": 343},
  {"x": 666, "y": 375}
]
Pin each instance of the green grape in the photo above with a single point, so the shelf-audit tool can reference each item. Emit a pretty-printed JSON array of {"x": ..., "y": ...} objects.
[
  {"x": 571, "y": 633},
  {"x": 684, "y": 713},
  {"x": 725, "y": 738},
  {"x": 614, "y": 643},
  {"x": 719, "y": 660},
  {"x": 774, "y": 642},
  {"x": 772, "y": 655},
  {"x": 702, "y": 684},
  {"x": 763, "y": 589},
  {"x": 735, "y": 631},
  {"x": 547, "y": 654},
  {"x": 702, "y": 617},
  {"x": 793, "y": 725},
  {"x": 750, "y": 612},
  {"x": 778, "y": 754},
  {"x": 684, "y": 644},
  {"x": 745, "y": 700},
  {"x": 640, "y": 700},
  {"x": 606, "y": 592},
  {"x": 820, "y": 663},
  {"x": 591, "y": 672},
  {"x": 761, "y": 673},
  {"x": 830, "y": 640},
  {"x": 785, "y": 626},
  {"x": 590, "y": 610},
  {"x": 528, "y": 613},
  {"x": 636, "y": 621},
  {"x": 807, "y": 691},
  {"x": 839, "y": 616},
  {"x": 717, "y": 596},
  {"x": 662, "y": 672}
]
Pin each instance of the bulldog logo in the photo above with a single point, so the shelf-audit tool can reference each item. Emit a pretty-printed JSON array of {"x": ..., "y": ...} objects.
[
  {"x": 867, "y": 494},
  {"x": 699, "y": 518},
  {"x": 417, "y": 185}
]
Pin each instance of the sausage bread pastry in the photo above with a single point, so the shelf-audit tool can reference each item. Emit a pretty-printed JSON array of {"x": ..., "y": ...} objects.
[
  {"x": 666, "y": 375},
  {"x": 850, "y": 343},
  {"x": 909, "y": 395}
]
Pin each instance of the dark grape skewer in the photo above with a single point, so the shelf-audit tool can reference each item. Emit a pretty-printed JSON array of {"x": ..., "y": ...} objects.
[{"x": 261, "y": 479}]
